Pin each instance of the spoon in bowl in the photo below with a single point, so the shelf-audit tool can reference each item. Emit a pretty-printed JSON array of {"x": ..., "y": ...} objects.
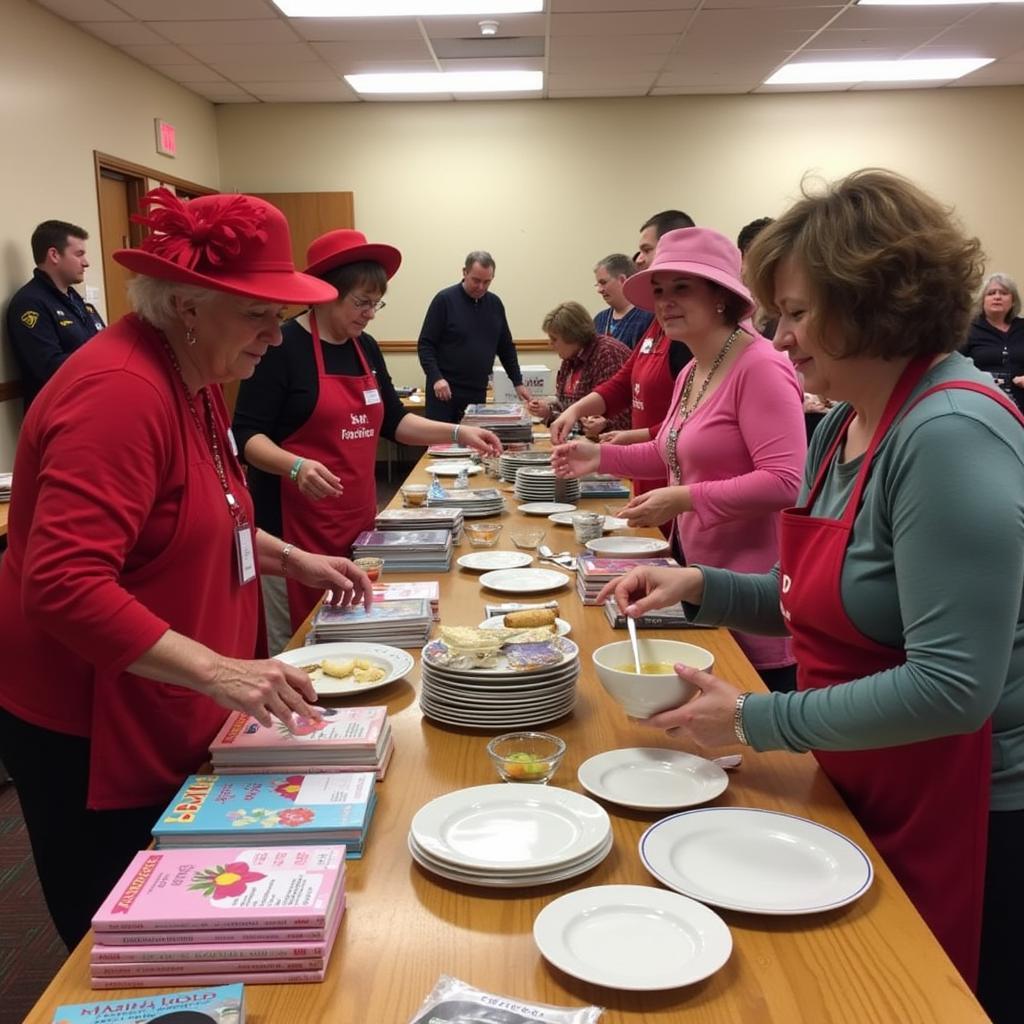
[{"x": 631, "y": 628}]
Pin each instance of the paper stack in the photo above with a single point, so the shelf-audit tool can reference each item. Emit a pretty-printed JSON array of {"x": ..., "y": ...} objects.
[
  {"x": 343, "y": 740},
  {"x": 260, "y": 914},
  {"x": 398, "y": 623},
  {"x": 407, "y": 550},
  {"x": 426, "y": 518},
  {"x": 593, "y": 573},
  {"x": 284, "y": 809}
]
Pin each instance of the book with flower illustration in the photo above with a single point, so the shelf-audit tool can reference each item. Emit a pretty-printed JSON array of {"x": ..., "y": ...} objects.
[
  {"x": 232, "y": 887},
  {"x": 223, "y": 1004},
  {"x": 211, "y": 810}
]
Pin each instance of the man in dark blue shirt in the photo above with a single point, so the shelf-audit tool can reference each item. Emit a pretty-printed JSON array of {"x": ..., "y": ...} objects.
[
  {"x": 47, "y": 319},
  {"x": 464, "y": 329}
]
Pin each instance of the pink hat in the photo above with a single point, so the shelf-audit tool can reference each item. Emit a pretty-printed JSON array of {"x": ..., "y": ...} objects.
[
  {"x": 698, "y": 251},
  {"x": 346, "y": 245},
  {"x": 228, "y": 243}
]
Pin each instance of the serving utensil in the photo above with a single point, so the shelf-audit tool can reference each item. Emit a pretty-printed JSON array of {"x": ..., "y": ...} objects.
[{"x": 634, "y": 643}]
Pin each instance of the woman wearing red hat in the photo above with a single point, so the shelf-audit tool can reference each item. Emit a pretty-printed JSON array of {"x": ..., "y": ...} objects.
[
  {"x": 309, "y": 419},
  {"x": 129, "y": 607}
]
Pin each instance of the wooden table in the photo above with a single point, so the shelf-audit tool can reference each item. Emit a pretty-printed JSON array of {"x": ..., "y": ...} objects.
[
  {"x": 874, "y": 962},
  {"x": 5, "y": 507}
]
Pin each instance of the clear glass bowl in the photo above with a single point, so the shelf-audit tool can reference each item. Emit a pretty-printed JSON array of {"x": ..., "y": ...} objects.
[
  {"x": 526, "y": 756},
  {"x": 483, "y": 535},
  {"x": 527, "y": 539}
]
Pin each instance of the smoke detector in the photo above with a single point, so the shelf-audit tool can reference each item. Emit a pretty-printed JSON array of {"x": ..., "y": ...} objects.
[{"x": 488, "y": 27}]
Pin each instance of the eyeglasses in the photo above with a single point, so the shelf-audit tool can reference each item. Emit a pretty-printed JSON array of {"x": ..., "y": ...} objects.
[{"x": 362, "y": 304}]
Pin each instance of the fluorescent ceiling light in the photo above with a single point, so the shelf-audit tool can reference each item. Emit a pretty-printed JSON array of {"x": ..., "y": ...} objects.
[
  {"x": 448, "y": 82},
  {"x": 825, "y": 72},
  {"x": 404, "y": 8}
]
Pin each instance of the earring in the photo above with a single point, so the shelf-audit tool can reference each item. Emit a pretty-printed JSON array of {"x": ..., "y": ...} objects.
[
  {"x": 190, "y": 335},
  {"x": 720, "y": 308}
]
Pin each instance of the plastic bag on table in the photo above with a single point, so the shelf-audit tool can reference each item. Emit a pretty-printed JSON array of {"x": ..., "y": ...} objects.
[{"x": 454, "y": 1002}]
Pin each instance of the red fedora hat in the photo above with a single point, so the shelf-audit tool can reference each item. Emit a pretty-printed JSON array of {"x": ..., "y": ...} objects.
[
  {"x": 346, "y": 245},
  {"x": 229, "y": 243}
]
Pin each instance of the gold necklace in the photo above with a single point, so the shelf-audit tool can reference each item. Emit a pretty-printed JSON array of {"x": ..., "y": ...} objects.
[{"x": 685, "y": 410}]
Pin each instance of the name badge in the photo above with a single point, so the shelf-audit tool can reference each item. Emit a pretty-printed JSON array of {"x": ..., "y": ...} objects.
[
  {"x": 371, "y": 397},
  {"x": 231, "y": 443},
  {"x": 645, "y": 348},
  {"x": 245, "y": 556}
]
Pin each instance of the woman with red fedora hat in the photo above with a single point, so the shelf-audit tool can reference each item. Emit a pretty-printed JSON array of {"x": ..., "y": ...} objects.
[
  {"x": 309, "y": 419},
  {"x": 733, "y": 440},
  {"x": 129, "y": 606}
]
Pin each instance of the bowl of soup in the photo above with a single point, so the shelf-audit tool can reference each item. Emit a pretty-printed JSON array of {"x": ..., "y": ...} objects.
[{"x": 657, "y": 688}]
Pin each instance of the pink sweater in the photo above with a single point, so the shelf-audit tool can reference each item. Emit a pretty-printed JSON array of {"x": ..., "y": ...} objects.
[{"x": 742, "y": 456}]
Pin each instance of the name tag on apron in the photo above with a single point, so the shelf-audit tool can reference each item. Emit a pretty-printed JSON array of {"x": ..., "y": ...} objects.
[
  {"x": 245, "y": 556},
  {"x": 645, "y": 348},
  {"x": 371, "y": 397}
]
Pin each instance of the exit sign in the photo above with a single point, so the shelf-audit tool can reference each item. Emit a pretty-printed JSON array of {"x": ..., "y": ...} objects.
[{"x": 166, "y": 144}]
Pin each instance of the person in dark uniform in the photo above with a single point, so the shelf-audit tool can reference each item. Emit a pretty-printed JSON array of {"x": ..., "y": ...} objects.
[
  {"x": 47, "y": 319},
  {"x": 464, "y": 329}
]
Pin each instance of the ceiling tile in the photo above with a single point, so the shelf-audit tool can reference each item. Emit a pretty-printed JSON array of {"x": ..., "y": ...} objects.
[
  {"x": 501, "y": 64},
  {"x": 872, "y": 38},
  {"x": 609, "y": 46},
  {"x": 373, "y": 49},
  {"x": 812, "y": 55},
  {"x": 730, "y": 23},
  {"x": 197, "y": 10},
  {"x": 166, "y": 54},
  {"x": 985, "y": 29},
  {"x": 252, "y": 53},
  {"x": 1001, "y": 73},
  {"x": 301, "y": 92},
  {"x": 469, "y": 28},
  {"x": 262, "y": 72},
  {"x": 221, "y": 92},
  {"x": 188, "y": 74},
  {"x": 606, "y": 79},
  {"x": 922, "y": 16},
  {"x": 633, "y": 23},
  {"x": 613, "y": 6},
  {"x": 697, "y": 90},
  {"x": 265, "y": 30},
  {"x": 85, "y": 10},
  {"x": 484, "y": 49},
  {"x": 121, "y": 33},
  {"x": 638, "y": 62},
  {"x": 355, "y": 66},
  {"x": 342, "y": 29},
  {"x": 597, "y": 92},
  {"x": 699, "y": 44}
]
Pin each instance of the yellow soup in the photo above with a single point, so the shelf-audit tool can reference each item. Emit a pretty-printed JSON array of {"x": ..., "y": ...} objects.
[{"x": 649, "y": 668}]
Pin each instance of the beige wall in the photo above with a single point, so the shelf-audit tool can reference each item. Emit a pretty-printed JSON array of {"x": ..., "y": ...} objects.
[
  {"x": 551, "y": 187},
  {"x": 64, "y": 94}
]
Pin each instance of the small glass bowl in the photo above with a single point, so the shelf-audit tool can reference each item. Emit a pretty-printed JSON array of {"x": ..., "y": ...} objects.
[
  {"x": 483, "y": 535},
  {"x": 527, "y": 539},
  {"x": 587, "y": 526},
  {"x": 414, "y": 495},
  {"x": 526, "y": 756},
  {"x": 373, "y": 567}
]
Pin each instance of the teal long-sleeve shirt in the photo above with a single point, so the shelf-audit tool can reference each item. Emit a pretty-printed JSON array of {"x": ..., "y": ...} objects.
[{"x": 935, "y": 565}]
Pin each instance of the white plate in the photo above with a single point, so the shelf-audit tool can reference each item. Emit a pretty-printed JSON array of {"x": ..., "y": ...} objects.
[
  {"x": 482, "y": 561},
  {"x": 761, "y": 862},
  {"x": 396, "y": 663},
  {"x": 545, "y": 508},
  {"x": 454, "y": 468},
  {"x": 627, "y": 547},
  {"x": 451, "y": 451},
  {"x": 498, "y": 622},
  {"x": 510, "y": 826},
  {"x": 632, "y": 937},
  {"x": 524, "y": 581},
  {"x": 652, "y": 779},
  {"x": 566, "y": 648},
  {"x": 610, "y": 522}
]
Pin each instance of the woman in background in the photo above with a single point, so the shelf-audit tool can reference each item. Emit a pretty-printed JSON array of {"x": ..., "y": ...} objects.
[{"x": 995, "y": 339}]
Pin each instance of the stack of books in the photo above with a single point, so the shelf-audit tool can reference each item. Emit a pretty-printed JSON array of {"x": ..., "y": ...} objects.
[
  {"x": 344, "y": 740},
  {"x": 510, "y": 421},
  {"x": 425, "y": 518},
  {"x": 398, "y": 623},
  {"x": 285, "y": 809},
  {"x": 265, "y": 915},
  {"x": 673, "y": 617},
  {"x": 414, "y": 590},
  {"x": 406, "y": 550},
  {"x": 475, "y": 502},
  {"x": 5, "y": 486},
  {"x": 600, "y": 485},
  {"x": 593, "y": 573},
  {"x": 222, "y": 1005}
]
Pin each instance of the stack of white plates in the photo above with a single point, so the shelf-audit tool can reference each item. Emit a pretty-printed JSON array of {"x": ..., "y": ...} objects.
[
  {"x": 512, "y": 461},
  {"x": 475, "y": 502},
  {"x": 510, "y": 835},
  {"x": 503, "y": 697},
  {"x": 537, "y": 483}
]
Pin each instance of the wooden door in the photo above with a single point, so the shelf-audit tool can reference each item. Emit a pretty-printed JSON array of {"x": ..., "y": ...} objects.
[
  {"x": 311, "y": 214},
  {"x": 117, "y": 199}
]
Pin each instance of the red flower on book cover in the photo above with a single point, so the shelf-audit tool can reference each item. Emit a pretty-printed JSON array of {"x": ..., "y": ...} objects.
[
  {"x": 289, "y": 787},
  {"x": 301, "y": 726},
  {"x": 225, "y": 880},
  {"x": 295, "y": 816}
]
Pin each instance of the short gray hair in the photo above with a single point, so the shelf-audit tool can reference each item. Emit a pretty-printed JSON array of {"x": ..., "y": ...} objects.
[
  {"x": 485, "y": 259},
  {"x": 618, "y": 264},
  {"x": 152, "y": 298},
  {"x": 1010, "y": 285}
]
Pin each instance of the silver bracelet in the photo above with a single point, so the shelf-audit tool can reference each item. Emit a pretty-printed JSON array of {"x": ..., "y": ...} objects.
[
  {"x": 285, "y": 552},
  {"x": 737, "y": 719},
  {"x": 455, "y": 434}
]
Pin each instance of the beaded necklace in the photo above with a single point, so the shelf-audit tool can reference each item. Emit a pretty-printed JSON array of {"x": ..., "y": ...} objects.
[{"x": 685, "y": 410}]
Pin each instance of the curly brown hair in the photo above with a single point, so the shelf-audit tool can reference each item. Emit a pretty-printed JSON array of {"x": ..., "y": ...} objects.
[
  {"x": 571, "y": 322},
  {"x": 891, "y": 273}
]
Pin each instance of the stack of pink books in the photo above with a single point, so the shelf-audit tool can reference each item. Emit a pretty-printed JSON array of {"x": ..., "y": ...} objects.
[
  {"x": 343, "y": 740},
  {"x": 262, "y": 915}
]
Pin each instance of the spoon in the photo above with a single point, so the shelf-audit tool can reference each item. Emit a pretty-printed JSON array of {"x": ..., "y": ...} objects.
[{"x": 631, "y": 627}]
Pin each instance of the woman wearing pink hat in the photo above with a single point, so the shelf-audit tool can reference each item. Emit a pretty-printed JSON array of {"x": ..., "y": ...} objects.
[
  {"x": 733, "y": 440},
  {"x": 129, "y": 606},
  {"x": 309, "y": 419}
]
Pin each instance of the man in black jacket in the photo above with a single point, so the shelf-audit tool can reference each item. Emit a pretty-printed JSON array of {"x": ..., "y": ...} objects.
[
  {"x": 47, "y": 319},
  {"x": 464, "y": 329}
]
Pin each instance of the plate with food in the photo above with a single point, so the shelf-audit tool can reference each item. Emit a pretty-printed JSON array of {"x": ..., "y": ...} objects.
[
  {"x": 534, "y": 618},
  {"x": 339, "y": 669}
]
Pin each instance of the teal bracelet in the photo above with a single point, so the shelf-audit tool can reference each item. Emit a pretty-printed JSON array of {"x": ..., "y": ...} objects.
[{"x": 293, "y": 473}]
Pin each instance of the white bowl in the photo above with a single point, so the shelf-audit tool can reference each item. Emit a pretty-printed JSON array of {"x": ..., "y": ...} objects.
[{"x": 646, "y": 695}]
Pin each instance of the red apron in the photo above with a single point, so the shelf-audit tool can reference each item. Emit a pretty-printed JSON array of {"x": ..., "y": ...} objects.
[
  {"x": 146, "y": 737},
  {"x": 652, "y": 385},
  {"x": 924, "y": 805},
  {"x": 341, "y": 433}
]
